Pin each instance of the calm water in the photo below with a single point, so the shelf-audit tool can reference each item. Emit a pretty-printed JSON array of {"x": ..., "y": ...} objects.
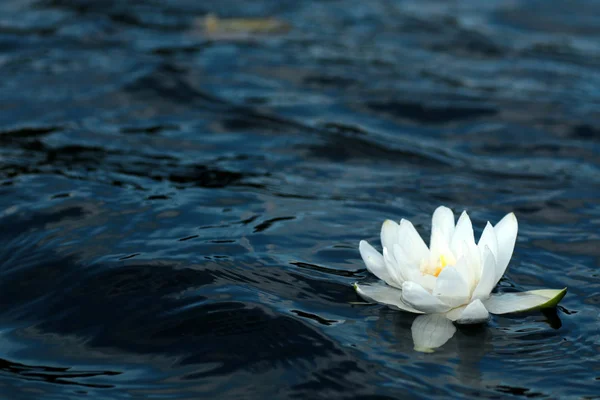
[{"x": 180, "y": 212}]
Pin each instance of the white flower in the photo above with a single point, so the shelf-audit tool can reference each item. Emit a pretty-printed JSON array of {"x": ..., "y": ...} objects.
[{"x": 452, "y": 280}]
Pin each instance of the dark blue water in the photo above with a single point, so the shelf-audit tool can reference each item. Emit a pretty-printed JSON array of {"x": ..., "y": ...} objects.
[{"x": 180, "y": 208}]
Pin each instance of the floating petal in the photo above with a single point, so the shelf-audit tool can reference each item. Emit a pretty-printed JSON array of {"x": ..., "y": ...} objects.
[
  {"x": 431, "y": 331},
  {"x": 506, "y": 303},
  {"x": 381, "y": 293}
]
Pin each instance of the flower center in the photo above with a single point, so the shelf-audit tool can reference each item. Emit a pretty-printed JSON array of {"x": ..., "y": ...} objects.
[
  {"x": 436, "y": 266},
  {"x": 442, "y": 264}
]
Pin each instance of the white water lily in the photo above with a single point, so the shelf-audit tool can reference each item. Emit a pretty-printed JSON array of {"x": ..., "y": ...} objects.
[{"x": 449, "y": 281}]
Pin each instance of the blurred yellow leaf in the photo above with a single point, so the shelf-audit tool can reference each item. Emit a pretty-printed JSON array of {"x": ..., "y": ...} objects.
[{"x": 215, "y": 26}]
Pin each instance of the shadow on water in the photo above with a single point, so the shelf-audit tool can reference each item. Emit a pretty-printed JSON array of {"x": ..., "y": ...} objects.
[{"x": 54, "y": 375}]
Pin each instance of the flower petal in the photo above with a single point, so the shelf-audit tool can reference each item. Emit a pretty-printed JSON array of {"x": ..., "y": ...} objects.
[
  {"x": 389, "y": 234},
  {"x": 463, "y": 268},
  {"x": 442, "y": 219},
  {"x": 474, "y": 260},
  {"x": 373, "y": 260},
  {"x": 470, "y": 254},
  {"x": 412, "y": 243},
  {"x": 455, "y": 313},
  {"x": 426, "y": 281},
  {"x": 505, "y": 303},
  {"x": 380, "y": 293},
  {"x": 488, "y": 238},
  {"x": 431, "y": 331},
  {"x": 419, "y": 298},
  {"x": 463, "y": 232},
  {"x": 473, "y": 313},
  {"x": 451, "y": 288},
  {"x": 439, "y": 246},
  {"x": 407, "y": 270},
  {"x": 488, "y": 274},
  {"x": 391, "y": 267},
  {"x": 506, "y": 234}
]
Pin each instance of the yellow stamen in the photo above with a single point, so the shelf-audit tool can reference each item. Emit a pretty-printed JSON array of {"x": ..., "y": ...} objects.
[
  {"x": 443, "y": 262},
  {"x": 441, "y": 266},
  {"x": 436, "y": 268}
]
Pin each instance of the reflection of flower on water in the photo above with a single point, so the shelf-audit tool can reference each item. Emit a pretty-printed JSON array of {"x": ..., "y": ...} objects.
[{"x": 449, "y": 281}]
